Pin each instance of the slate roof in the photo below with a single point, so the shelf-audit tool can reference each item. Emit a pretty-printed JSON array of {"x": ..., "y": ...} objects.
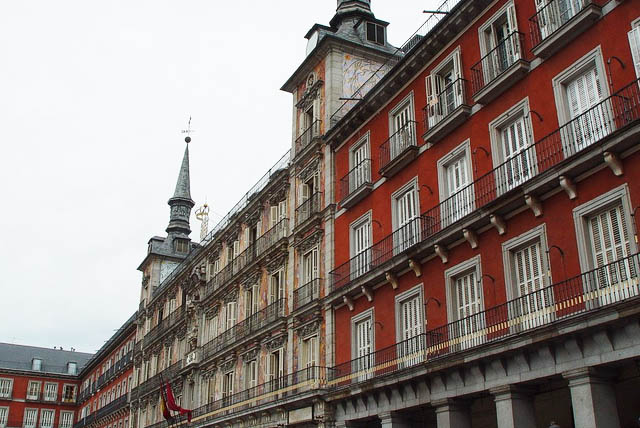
[{"x": 19, "y": 357}]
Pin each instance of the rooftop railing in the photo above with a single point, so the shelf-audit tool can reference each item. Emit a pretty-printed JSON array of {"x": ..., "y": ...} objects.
[
  {"x": 308, "y": 135},
  {"x": 606, "y": 285},
  {"x": 497, "y": 61},
  {"x": 309, "y": 207},
  {"x": 244, "y": 328},
  {"x": 397, "y": 143},
  {"x": 613, "y": 113}
]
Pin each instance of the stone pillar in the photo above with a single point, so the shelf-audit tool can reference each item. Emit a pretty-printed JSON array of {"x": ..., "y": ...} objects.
[
  {"x": 514, "y": 408},
  {"x": 452, "y": 414},
  {"x": 593, "y": 399},
  {"x": 393, "y": 420}
]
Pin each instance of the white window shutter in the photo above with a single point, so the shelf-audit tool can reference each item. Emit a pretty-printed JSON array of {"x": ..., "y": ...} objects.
[
  {"x": 634, "y": 43},
  {"x": 511, "y": 19}
]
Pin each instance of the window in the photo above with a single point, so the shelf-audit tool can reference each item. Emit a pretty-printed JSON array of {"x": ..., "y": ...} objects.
[
  {"x": 72, "y": 368},
  {"x": 252, "y": 300},
  {"x": 455, "y": 184},
  {"x": 464, "y": 303},
  {"x": 251, "y": 376},
  {"x": 375, "y": 33},
  {"x": 230, "y": 314},
  {"x": 36, "y": 364},
  {"x": 4, "y": 416},
  {"x": 410, "y": 325},
  {"x": 401, "y": 127},
  {"x": 6, "y": 388},
  {"x": 363, "y": 344},
  {"x": 360, "y": 246},
  {"x": 580, "y": 91},
  {"x": 603, "y": 231},
  {"x": 525, "y": 268},
  {"x": 634, "y": 44},
  {"x": 50, "y": 391},
  {"x": 46, "y": 418},
  {"x": 310, "y": 266},
  {"x": 227, "y": 385},
  {"x": 278, "y": 213},
  {"x": 33, "y": 390},
  {"x": 276, "y": 287},
  {"x": 553, "y": 14},
  {"x": 512, "y": 147},
  {"x": 309, "y": 353},
  {"x": 360, "y": 171},
  {"x": 69, "y": 393},
  {"x": 182, "y": 246},
  {"x": 30, "y": 418},
  {"x": 445, "y": 90},
  {"x": 499, "y": 43},
  {"x": 275, "y": 370},
  {"x": 406, "y": 208}
]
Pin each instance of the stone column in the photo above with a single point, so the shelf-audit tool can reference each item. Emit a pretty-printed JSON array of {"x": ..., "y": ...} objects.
[
  {"x": 452, "y": 414},
  {"x": 393, "y": 420},
  {"x": 514, "y": 408},
  {"x": 593, "y": 399}
]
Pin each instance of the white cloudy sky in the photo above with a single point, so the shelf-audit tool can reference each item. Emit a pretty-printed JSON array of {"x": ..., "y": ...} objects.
[{"x": 93, "y": 95}]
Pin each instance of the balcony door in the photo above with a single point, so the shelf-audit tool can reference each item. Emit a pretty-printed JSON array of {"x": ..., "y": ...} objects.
[
  {"x": 401, "y": 131},
  {"x": 519, "y": 161},
  {"x": 459, "y": 200},
  {"x": 466, "y": 332},
  {"x": 587, "y": 113},
  {"x": 310, "y": 266},
  {"x": 361, "y": 247},
  {"x": 530, "y": 284},
  {"x": 412, "y": 322},
  {"x": 407, "y": 231},
  {"x": 275, "y": 370},
  {"x": 444, "y": 89},
  {"x": 501, "y": 44},
  {"x": 360, "y": 172},
  {"x": 364, "y": 347}
]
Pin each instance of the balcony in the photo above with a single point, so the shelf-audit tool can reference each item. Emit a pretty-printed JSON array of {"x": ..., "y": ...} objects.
[
  {"x": 356, "y": 184},
  {"x": 308, "y": 208},
  {"x": 116, "y": 404},
  {"x": 172, "y": 319},
  {"x": 304, "y": 143},
  {"x": 272, "y": 392},
  {"x": 86, "y": 421},
  {"x": 446, "y": 111},
  {"x": 306, "y": 293},
  {"x": 574, "y": 297},
  {"x": 500, "y": 69},
  {"x": 399, "y": 150},
  {"x": 559, "y": 22},
  {"x": 154, "y": 381},
  {"x": 254, "y": 323},
  {"x": 574, "y": 148}
]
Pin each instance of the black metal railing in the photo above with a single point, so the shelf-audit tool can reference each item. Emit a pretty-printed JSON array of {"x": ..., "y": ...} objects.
[
  {"x": 356, "y": 178},
  {"x": 306, "y": 293},
  {"x": 606, "y": 285},
  {"x": 497, "y": 61},
  {"x": 444, "y": 103},
  {"x": 553, "y": 16},
  {"x": 613, "y": 113},
  {"x": 154, "y": 381},
  {"x": 308, "y": 135},
  {"x": 172, "y": 319},
  {"x": 309, "y": 207},
  {"x": 116, "y": 404},
  {"x": 397, "y": 143},
  {"x": 244, "y": 328},
  {"x": 307, "y": 379},
  {"x": 86, "y": 421}
]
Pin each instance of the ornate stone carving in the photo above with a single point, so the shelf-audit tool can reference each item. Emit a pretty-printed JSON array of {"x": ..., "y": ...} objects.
[
  {"x": 310, "y": 94},
  {"x": 228, "y": 365},
  {"x": 309, "y": 170},
  {"x": 310, "y": 241},
  {"x": 231, "y": 296},
  {"x": 279, "y": 194},
  {"x": 250, "y": 355},
  {"x": 309, "y": 329},
  {"x": 251, "y": 278},
  {"x": 181, "y": 332},
  {"x": 276, "y": 343},
  {"x": 251, "y": 218},
  {"x": 275, "y": 263}
]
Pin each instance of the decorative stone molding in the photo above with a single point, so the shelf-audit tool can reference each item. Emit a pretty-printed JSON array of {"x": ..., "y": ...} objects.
[
  {"x": 251, "y": 278},
  {"x": 310, "y": 241},
  {"x": 214, "y": 253},
  {"x": 279, "y": 194},
  {"x": 231, "y": 296},
  {"x": 276, "y": 343},
  {"x": 309, "y": 329},
  {"x": 276, "y": 263},
  {"x": 181, "y": 332},
  {"x": 250, "y": 355},
  {"x": 251, "y": 218},
  {"x": 169, "y": 339},
  {"x": 309, "y": 170},
  {"x": 311, "y": 93},
  {"x": 228, "y": 365},
  {"x": 145, "y": 280}
]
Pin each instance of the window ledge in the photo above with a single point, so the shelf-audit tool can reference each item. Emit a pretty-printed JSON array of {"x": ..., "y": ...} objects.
[{"x": 565, "y": 34}]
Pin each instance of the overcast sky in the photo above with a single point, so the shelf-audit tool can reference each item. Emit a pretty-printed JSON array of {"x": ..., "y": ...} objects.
[{"x": 93, "y": 96}]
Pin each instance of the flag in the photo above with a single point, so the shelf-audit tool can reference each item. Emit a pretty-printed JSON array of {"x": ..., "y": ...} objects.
[
  {"x": 171, "y": 403},
  {"x": 165, "y": 411}
]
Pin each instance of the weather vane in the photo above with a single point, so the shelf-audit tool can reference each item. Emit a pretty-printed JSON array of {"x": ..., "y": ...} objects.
[{"x": 188, "y": 131}]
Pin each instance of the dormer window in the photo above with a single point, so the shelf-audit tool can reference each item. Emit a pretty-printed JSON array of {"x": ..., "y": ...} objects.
[
  {"x": 182, "y": 246},
  {"x": 375, "y": 33},
  {"x": 36, "y": 364},
  {"x": 72, "y": 368}
]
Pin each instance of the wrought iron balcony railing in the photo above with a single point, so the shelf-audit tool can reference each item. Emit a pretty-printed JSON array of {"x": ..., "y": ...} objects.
[
  {"x": 497, "y": 61},
  {"x": 154, "y": 381},
  {"x": 611, "y": 114},
  {"x": 253, "y": 323},
  {"x": 116, "y": 404},
  {"x": 172, "y": 319},
  {"x": 309, "y": 134},
  {"x": 444, "y": 103},
  {"x": 306, "y": 293},
  {"x": 86, "y": 421},
  {"x": 309, "y": 207},
  {"x": 604, "y": 286},
  {"x": 358, "y": 177},
  {"x": 553, "y": 16},
  {"x": 403, "y": 139}
]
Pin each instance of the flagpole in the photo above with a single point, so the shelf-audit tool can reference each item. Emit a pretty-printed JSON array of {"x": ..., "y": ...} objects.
[{"x": 164, "y": 400}]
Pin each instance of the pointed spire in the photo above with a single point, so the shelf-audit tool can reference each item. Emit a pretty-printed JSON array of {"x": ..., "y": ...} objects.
[
  {"x": 181, "y": 202},
  {"x": 183, "y": 186}
]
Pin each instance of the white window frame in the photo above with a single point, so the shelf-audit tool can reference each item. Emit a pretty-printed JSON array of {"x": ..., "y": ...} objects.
[
  {"x": 591, "y": 59},
  {"x": 454, "y": 60},
  {"x": 36, "y": 364},
  {"x": 450, "y": 275},
  {"x": 6, "y": 387},
  {"x": 519, "y": 110},
  {"x": 357, "y": 177},
  {"x": 35, "y": 421},
  {"x": 409, "y": 234},
  {"x": 68, "y": 414},
  {"x": 359, "y": 266},
  {"x": 230, "y": 322},
  {"x": 308, "y": 348},
  {"x": 417, "y": 290},
  {"x": 45, "y": 396},
  {"x": 52, "y": 412},
  {"x": 462, "y": 150},
  {"x": 634, "y": 35},
  {"x": 39, "y": 387},
  {"x": 315, "y": 272},
  {"x": 403, "y": 140},
  {"x": 269, "y": 369},
  {"x": 355, "y": 320},
  {"x": 415, "y": 344},
  {"x": 279, "y": 294},
  {"x": 503, "y": 11},
  {"x": 251, "y": 372},
  {"x": 406, "y": 102},
  {"x": 4, "y": 416}
]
